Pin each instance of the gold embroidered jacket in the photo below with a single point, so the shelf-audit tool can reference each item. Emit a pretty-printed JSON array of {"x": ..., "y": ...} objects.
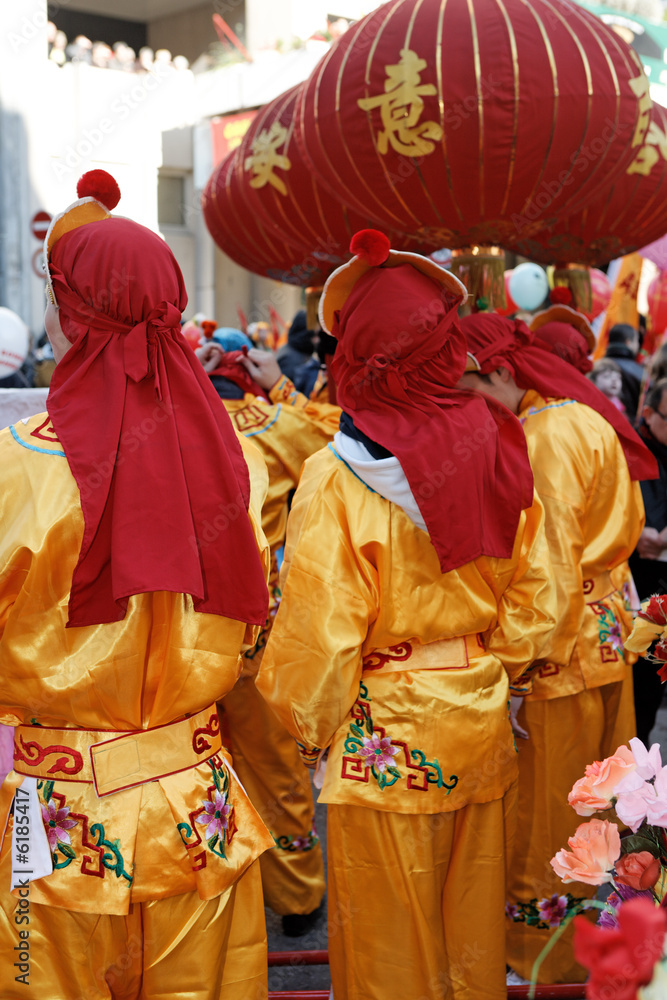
[
  {"x": 401, "y": 670},
  {"x": 142, "y": 816},
  {"x": 594, "y": 515}
]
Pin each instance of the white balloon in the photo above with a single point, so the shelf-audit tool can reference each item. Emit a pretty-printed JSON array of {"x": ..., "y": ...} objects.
[
  {"x": 528, "y": 286},
  {"x": 14, "y": 342}
]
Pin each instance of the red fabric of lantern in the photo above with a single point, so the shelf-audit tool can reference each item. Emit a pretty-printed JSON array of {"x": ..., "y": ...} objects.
[
  {"x": 473, "y": 121},
  {"x": 656, "y": 295},
  {"x": 626, "y": 215},
  {"x": 235, "y": 227},
  {"x": 284, "y": 192}
]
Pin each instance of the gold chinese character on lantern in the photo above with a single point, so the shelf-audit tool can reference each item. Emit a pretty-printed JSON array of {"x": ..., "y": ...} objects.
[
  {"x": 655, "y": 147},
  {"x": 265, "y": 158},
  {"x": 401, "y": 107}
]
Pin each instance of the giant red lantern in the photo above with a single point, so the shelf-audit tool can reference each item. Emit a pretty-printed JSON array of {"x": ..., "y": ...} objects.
[
  {"x": 628, "y": 213},
  {"x": 467, "y": 120},
  {"x": 234, "y": 226},
  {"x": 283, "y": 191}
]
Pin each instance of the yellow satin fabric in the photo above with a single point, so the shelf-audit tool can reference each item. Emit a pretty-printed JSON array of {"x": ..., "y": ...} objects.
[
  {"x": 594, "y": 516},
  {"x": 161, "y": 662},
  {"x": 287, "y": 432},
  {"x": 268, "y": 763},
  {"x": 179, "y": 947},
  {"x": 361, "y": 577},
  {"x": 416, "y": 902}
]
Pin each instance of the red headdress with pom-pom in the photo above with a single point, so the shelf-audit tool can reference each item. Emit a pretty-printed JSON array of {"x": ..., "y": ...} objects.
[
  {"x": 98, "y": 194},
  {"x": 148, "y": 499},
  {"x": 400, "y": 355}
]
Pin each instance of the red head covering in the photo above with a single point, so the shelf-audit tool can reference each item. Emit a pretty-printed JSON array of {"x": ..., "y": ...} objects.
[
  {"x": 230, "y": 367},
  {"x": 565, "y": 342},
  {"x": 163, "y": 482},
  {"x": 495, "y": 341},
  {"x": 399, "y": 357}
]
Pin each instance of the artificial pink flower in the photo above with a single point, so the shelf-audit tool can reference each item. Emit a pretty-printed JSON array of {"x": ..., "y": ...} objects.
[
  {"x": 553, "y": 909},
  {"x": 595, "y": 848},
  {"x": 595, "y": 790},
  {"x": 656, "y": 807},
  {"x": 57, "y": 824},
  {"x": 633, "y": 796},
  {"x": 649, "y": 762},
  {"x": 377, "y": 751},
  {"x": 216, "y": 814}
]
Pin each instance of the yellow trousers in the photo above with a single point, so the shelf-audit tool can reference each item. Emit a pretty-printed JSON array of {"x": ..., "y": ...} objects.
[
  {"x": 416, "y": 902},
  {"x": 176, "y": 947},
  {"x": 566, "y": 734},
  {"x": 267, "y": 761}
]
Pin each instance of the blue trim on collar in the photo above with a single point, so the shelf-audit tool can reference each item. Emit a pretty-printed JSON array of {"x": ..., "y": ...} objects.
[
  {"x": 33, "y": 447},
  {"x": 550, "y": 406},
  {"x": 341, "y": 459}
]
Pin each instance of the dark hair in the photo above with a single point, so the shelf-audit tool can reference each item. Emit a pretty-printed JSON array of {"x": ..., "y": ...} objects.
[
  {"x": 659, "y": 364},
  {"x": 655, "y": 393},
  {"x": 622, "y": 333}
]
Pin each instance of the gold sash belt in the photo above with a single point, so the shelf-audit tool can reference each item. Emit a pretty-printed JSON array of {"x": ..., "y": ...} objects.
[
  {"x": 112, "y": 760},
  {"x": 443, "y": 654}
]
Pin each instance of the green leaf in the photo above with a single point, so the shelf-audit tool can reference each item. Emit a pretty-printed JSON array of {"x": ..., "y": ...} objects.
[
  {"x": 369, "y": 726},
  {"x": 66, "y": 850},
  {"x": 213, "y": 841},
  {"x": 356, "y": 730},
  {"x": 637, "y": 843}
]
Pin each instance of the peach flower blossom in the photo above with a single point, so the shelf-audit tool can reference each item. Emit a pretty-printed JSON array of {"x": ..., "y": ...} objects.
[
  {"x": 595, "y": 790},
  {"x": 594, "y": 849}
]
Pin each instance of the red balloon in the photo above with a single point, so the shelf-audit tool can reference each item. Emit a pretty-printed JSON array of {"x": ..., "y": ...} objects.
[
  {"x": 657, "y": 303},
  {"x": 601, "y": 292},
  {"x": 511, "y": 306},
  {"x": 630, "y": 213},
  {"x": 468, "y": 121}
]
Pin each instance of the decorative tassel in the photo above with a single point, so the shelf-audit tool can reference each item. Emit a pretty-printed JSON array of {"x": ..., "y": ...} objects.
[
  {"x": 482, "y": 270},
  {"x": 577, "y": 278}
]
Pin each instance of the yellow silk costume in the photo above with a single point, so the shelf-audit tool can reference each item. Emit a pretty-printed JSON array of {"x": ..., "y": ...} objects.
[
  {"x": 178, "y": 822},
  {"x": 579, "y": 705},
  {"x": 287, "y": 432},
  {"x": 402, "y": 672}
]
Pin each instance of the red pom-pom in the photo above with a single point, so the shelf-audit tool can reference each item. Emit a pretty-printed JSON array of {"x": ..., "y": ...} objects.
[
  {"x": 371, "y": 245},
  {"x": 101, "y": 186},
  {"x": 560, "y": 296}
]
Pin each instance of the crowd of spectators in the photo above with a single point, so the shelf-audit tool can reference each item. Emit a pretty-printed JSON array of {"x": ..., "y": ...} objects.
[{"x": 120, "y": 56}]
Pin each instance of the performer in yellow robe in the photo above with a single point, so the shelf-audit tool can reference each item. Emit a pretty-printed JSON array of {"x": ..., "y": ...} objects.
[
  {"x": 578, "y": 706},
  {"x": 400, "y": 625},
  {"x": 131, "y": 847},
  {"x": 287, "y": 428}
]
